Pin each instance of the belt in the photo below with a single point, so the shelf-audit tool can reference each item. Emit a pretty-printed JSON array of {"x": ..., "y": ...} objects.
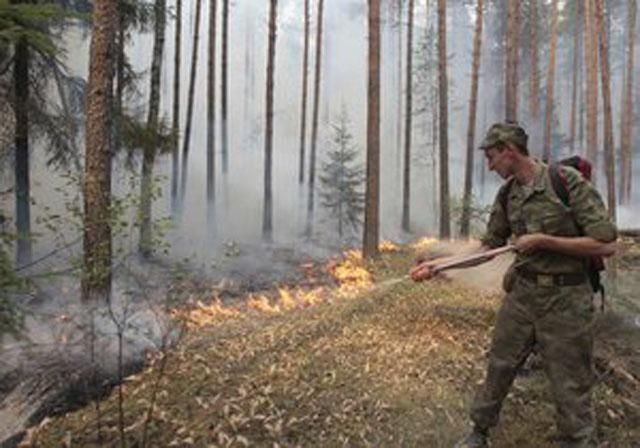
[{"x": 541, "y": 279}]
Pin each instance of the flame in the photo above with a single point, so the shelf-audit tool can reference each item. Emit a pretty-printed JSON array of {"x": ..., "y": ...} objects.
[
  {"x": 423, "y": 243},
  {"x": 203, "y": 315},
  {"x": 350, "y": 273},
  {"x": 286, "y": 300},
  {"x": 387, "y": 246},
  {"x": 262, "y": 303}
]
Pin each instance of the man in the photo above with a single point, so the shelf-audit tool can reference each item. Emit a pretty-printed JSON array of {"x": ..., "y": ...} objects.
[{"x": 549, "y": 299}]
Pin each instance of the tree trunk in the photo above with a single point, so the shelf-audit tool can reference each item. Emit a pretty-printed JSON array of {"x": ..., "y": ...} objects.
[
  {"x": 225, "y": 86},
  {"x": 372, "y": 194},
  {"x": 609, "y": 154},
  {"x": 406, "y": 191},
  {"x": 96, "y": 279},
  {"x": 118, "y": 103},
  {"x": 150, "y": 147},
  {"x": 445, "y": 229},
  {"x": 534, "y": 81},
  {"x": 626, "y": 126},
  {"x": 305, "y": 78},
  {"x": 267, "y": 210},
  {"x": 574, "y": 84},
  {"x": 551, "y": 71},
  {"x": 399, "y": 94},
  {"x": 175, "y": 128},
  {"x": 511, "y": 99},
  {"x": 471, "y": 130},
  {"x": 211, "y": 116},
  {"x": 591, "y": 62},
  {"x": 190, "y": 100},
  {"x": 314, "y": 122},
  {"x": 23, "y": 184}
]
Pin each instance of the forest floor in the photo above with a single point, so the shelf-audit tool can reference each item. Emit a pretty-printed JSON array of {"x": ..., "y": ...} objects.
[{"x": 369, "y": 361}]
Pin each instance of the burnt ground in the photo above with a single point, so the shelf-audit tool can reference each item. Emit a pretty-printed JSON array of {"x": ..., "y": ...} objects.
[{"x": 395, "y": 365}]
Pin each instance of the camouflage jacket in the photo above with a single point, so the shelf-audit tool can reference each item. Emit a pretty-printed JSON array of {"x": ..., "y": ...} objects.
[{"x": 537, "y": 209}]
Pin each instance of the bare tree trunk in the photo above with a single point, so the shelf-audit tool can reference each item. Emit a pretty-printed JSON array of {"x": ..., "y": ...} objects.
[
  {"x": 372, "y": 194},
  {"x": 400, "y": 25},
  {"x": 551, "y": 72},
  {"x": 175, "y": 128},
  {"x": 534, "y": 81},
  {"x": 591, "y": 62},
  {"x": 609, "y": 149},
  {"x": 118, "y": 103},
  {"x": 627, "y": 116},
  {"x": 96, "y": 279},
  {"x": 150, "y": 147},
  {"x": 445, "y": 227},
  {"x": 511, "y": 100},
  {"x": 192, "y": 89},
  {"x": 225, "y": 86},
  {"x": 314, "y": 122},
  {"x": 574, "y": 84},
  {"x": 305, "y": 78},
  {"x": 267, "y": 211},
  {"x": 471, "y": 130},
  {"x": 21, "y": 167},
  {"x": 406, "y": 191},
  {"x": 211, "y": 116}
]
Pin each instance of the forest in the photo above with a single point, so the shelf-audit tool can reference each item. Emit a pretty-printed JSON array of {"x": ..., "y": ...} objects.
[{"x": 178, "y": 173}]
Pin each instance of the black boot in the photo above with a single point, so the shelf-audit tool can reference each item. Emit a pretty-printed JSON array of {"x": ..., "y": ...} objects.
[{"x": 478, "y": 438}]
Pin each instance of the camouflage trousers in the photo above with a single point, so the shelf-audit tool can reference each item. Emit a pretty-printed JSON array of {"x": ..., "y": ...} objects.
[{"x": 558, "y": 321}]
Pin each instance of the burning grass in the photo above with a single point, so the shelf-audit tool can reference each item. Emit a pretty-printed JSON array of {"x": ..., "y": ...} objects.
[{"x": 392, "y": 367}]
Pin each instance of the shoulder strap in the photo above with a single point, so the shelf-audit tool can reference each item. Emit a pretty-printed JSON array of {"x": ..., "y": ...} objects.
[{"x": 559, "y": 183}]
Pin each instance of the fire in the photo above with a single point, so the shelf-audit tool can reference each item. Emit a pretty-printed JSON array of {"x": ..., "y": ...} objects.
[
  {"x": 424, "y": 243},
  {"x": 350, "y": 273},
  {"x": 203, "y": 315},
  {"x": 387, "y": 246},
  {"x": 262, "y": 303}
]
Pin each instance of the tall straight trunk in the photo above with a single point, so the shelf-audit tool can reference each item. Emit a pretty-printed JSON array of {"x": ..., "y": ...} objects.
[
  {"x": 445, "y": 228},
  {"x": 406, "y": 191},
  {"x": 224, "y": 100},
  {"x": 96, "y": 279},
  {"x": 190, "y": 100},
  {"x": 591, "y": 63},
  {"x": 627, "y": 116},
  {"x": 150, "y": 147},
  {"x": 551, "y": 72},
  {"x": 314, "y": 121},
  {"x": 511, "y": 90},
  {"x": 534, "y": 81},
  {"x": 175, "y": 128},
  {"x": 609, "y": 149},
  {"x": 305, "y": 80},
  {"x": 372, "y": 193},
  {"x": 118, "y": 102},
  {"x": 267, "y": 207},
  {"x": 471, "y": 130},
  {"x": 574, "y": 83},
  {"x": 23, "y": 184},
  {"x": 399, "y": 93},
  {"x": 211, "y": 114}
]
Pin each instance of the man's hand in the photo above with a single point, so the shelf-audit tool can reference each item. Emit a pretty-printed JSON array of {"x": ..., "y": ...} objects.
[
  {"x": 423, "y": 271},
  {"x": 532, "y": 242}
]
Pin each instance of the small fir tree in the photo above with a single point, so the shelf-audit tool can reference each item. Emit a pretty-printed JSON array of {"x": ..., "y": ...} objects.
[{"x": 342, "y": 179}]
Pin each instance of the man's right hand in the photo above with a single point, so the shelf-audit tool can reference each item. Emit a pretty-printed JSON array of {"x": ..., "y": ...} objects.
[{"x": 423, "y": 271}]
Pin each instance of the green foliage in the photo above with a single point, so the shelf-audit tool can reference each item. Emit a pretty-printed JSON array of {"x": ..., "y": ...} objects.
[
  {"x": 342, "y": 179},
  {"x": 479, "y": 214},
  {"x": 10, "y": 317}
]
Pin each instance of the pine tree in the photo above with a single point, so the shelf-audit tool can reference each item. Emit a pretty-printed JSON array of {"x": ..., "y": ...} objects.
[
  {"x": 372, "y": 193},
  {"x": 342, "y": 179}
]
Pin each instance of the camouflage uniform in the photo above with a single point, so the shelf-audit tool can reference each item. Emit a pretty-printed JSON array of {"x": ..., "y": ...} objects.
[{"x": 540, "y": 308}]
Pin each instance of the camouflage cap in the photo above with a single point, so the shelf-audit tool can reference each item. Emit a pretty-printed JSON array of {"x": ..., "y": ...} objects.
[{"x": 505, "y": 132}]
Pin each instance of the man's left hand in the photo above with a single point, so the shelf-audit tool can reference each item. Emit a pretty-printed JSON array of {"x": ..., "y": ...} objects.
[{"x": 530, "y": 243}]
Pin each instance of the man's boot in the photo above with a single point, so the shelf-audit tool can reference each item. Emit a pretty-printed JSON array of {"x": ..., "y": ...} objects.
[{"x": 476, "y": 439}]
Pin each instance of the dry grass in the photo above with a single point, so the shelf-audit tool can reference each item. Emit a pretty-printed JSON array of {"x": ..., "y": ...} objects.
[{"x": 395, "y": 366}]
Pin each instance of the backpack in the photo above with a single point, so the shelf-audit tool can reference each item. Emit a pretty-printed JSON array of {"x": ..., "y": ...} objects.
[{"x": 595, "y": 264}]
